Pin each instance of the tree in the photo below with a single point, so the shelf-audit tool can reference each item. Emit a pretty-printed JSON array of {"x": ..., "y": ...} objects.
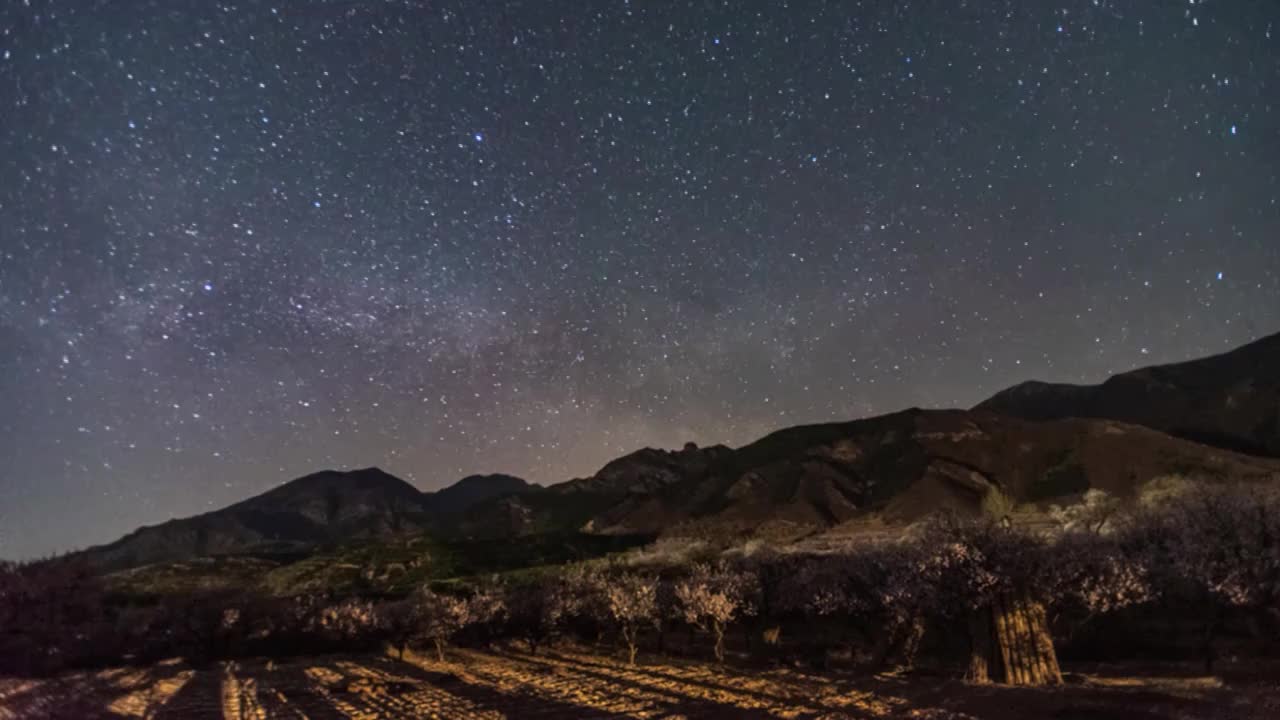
[
  {"x": 994, "y": 576},
  {"x": 582, "y": 588},
  {"x": 1096, "y": 513},
  {"x": 874, "y": 589},
  {"x": 52, "y": 615},
  {"x": 535, "y": 610},
  {"x": 203, "y": 626},
  {"x": 439, "y": 617},
  {"x": 632, "y": 602},
  {"x": 486, "y": 609},
  {"x": 712, "y": 596},
  {"x": 399, "y": 619},
  {"x": 346, "y": 622},
  {"x": 1092, "y": 575},
  {"x": 1214, "y": 549}
]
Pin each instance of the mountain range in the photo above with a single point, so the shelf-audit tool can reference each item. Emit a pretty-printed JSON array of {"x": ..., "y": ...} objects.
[
  {"x": 1206, "y": 420},
  {"x": 1230, "y": 400},
  {"x": 323, "y": 508}
]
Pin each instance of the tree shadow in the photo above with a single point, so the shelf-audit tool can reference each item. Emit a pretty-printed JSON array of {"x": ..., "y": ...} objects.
[
  {"x": 657, "y": 673},
  {"x": 1067, "y": 702},
  {"x": 515, "y": 705},
  {"x": 199, "y": 697},
  {"x": 83, "y": 696},
  {"x": 286, "y": 691},
  {"x": 56, "y": 700},
  {"x": 667, "y": 701}
]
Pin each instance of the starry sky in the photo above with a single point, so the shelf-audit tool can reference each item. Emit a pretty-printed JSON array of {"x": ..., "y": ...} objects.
[{"x": 240, "y": 242}]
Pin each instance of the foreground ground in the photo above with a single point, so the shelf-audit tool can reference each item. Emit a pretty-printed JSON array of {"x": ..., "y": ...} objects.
[{"x": 579, "y": 685}]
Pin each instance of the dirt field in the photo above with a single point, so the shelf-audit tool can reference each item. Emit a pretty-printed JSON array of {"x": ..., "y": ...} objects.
[{"x": 579, "y": 685}]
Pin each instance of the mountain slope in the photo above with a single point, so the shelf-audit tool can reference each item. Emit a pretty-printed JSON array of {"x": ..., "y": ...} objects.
[
  {"x": 1030, "y": 444},
  {"x": 571, "y": 505},
  {"x": 904, "y": 466},
  {"x": 896, "y": 468},
  {"x": 323, "y": 507},
  {"x": 1230, "y": 400},
  {"x": 327, "y": 507},
  {"x": 472, "y": 490}
]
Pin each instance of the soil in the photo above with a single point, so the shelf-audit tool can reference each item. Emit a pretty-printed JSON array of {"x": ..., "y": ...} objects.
[{"x": 577, "y": 683}]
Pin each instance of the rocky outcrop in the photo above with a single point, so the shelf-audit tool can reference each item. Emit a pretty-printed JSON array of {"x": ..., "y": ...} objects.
[{"x": 649, "y": 470}]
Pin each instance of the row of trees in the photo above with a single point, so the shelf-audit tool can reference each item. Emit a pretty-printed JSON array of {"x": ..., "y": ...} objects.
[{"x": 1005, "y": 595}]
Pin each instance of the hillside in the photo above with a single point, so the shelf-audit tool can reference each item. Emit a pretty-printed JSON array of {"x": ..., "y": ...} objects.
[
  {"x": 1230, "y": 400},
  {"x": 895, "y": 468},
  {"x": 473, "y": 489},
  {"x": 381, "y": 566},
  {"x": 1029, "y": 445},
  {"x": 323, "y": 508},
  {"x": 901, "y": 467}
]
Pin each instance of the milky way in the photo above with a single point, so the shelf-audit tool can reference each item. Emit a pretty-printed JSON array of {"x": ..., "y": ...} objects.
[{"x": 242, "y": 242}]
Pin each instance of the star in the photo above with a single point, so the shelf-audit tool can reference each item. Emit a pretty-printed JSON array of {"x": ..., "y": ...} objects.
[{"x": 515, "y": 243}]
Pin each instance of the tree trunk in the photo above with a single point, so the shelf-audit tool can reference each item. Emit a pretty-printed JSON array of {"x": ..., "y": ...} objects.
[
  {"x": 897, "y": 646},
  {"x": 1010, "y": 643},
  {"x": 629, "y": 634},
  {"x": 439, "y": 648},
  {"x": 908, "y": 645},
  {"x": 718, "y": 629},
  {"x": 981, "y": 653},
  {"x": 1210, "y": 630}
]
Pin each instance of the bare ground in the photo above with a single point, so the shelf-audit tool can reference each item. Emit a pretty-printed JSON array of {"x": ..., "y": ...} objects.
[{"x": 580, "y": 684}]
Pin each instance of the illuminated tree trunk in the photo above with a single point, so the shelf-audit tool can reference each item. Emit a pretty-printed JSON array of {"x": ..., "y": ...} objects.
[
  {"x": 903, "y": 644},
  {"x": 1010, "y": 644},
  {"x": 629, "y": 635}
]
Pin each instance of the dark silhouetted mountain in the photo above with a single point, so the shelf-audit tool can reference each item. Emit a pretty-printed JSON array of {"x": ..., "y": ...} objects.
[
  {"x": 894, "y": 468},
  {"x": 649, "y": 469},
  {"x": 324, "y": 507},
  {"x": 1026, "y": 447},
  {"x": 474, "y": 489},
  {"x": 898, "y": 468},
  {"x": 571, "y": 505},
  {"x": 1230, "y": 400}
]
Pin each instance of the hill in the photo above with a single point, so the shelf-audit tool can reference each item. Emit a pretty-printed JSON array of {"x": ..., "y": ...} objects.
[
  {"x": 891, "y": 469},
  {"x": 324, "y": 508},
  {"x": 474, "y": 489},
  {"x": 898, "y": 468},
  {"x": 1230, "y": 400},
  {"x": 1026, "y": 447}
]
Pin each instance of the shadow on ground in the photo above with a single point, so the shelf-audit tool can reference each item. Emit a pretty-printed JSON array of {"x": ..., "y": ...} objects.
[{"x": 570, "y": 683}]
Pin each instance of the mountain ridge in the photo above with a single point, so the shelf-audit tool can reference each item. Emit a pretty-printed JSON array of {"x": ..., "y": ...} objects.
[
  {"x": 1026, "y": 446},
  {"x": 324, "y": 507},
  {"x": 1229, "y": 400}
]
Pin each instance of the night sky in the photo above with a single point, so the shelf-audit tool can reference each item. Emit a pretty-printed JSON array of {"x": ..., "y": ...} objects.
[{"x": 240, "y": 242}]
